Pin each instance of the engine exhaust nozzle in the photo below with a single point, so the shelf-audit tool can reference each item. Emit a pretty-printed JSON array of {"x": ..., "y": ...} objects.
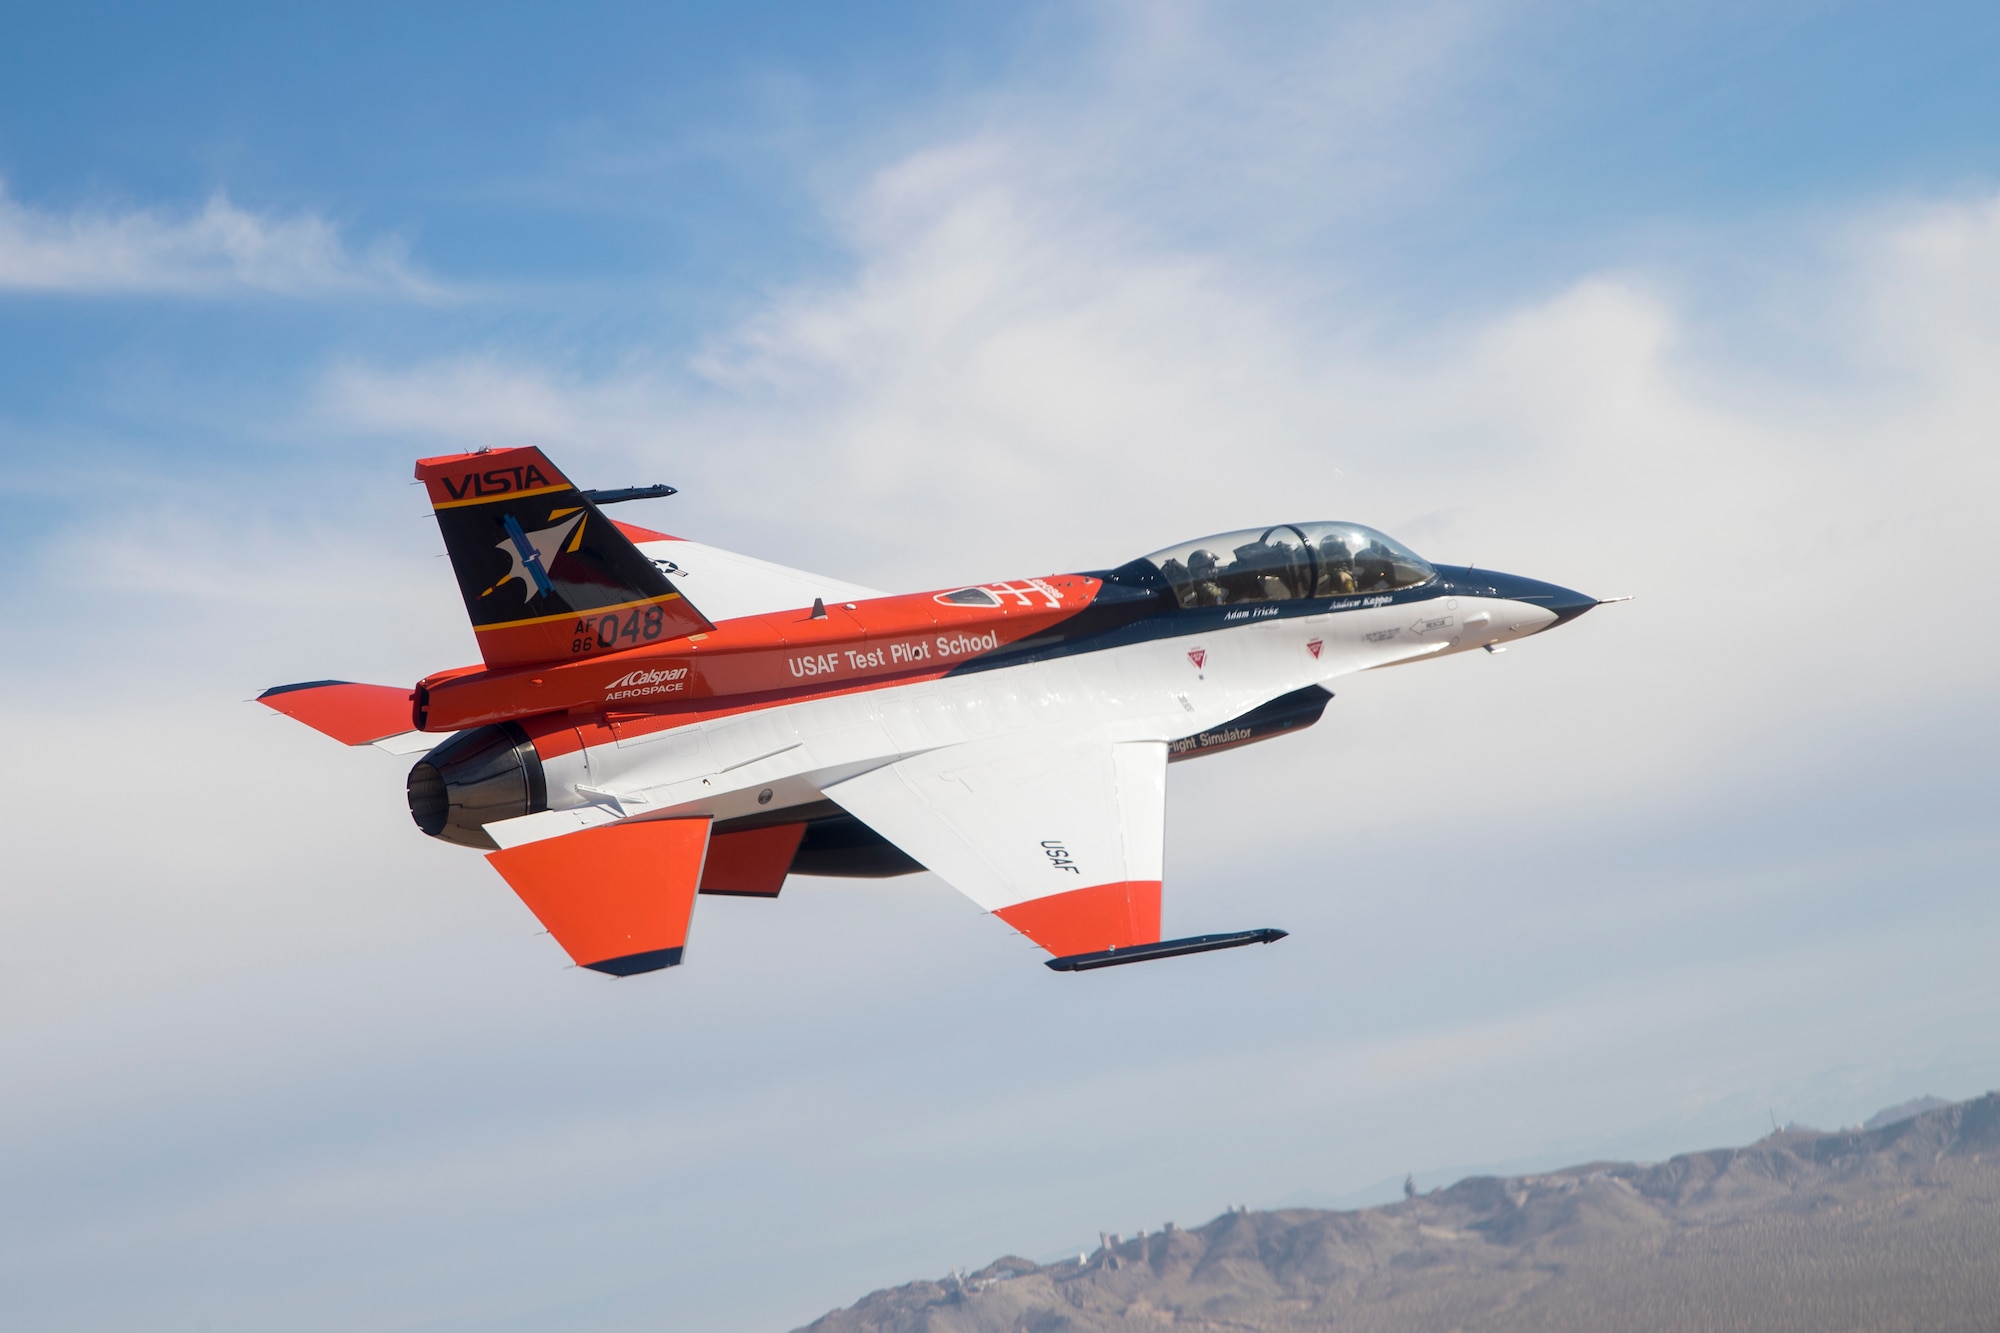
[{"x": 475, "y": 778}]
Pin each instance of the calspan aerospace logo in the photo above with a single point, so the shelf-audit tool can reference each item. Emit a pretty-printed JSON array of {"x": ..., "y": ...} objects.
[
  {"x": 531, "y": 553},
  {"x": 656, "y": 680}
]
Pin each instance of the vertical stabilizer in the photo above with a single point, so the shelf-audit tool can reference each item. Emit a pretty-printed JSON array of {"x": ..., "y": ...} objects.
[{"x": 545, "y": 576}]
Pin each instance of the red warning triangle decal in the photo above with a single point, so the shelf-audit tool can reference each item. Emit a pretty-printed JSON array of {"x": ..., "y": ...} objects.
[
  {"x": 1314, "y": 646},
  {"x": 1198, "y": 656}
]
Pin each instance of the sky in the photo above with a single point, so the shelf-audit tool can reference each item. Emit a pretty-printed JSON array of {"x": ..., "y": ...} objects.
[{"x": 1691, "y": 302}]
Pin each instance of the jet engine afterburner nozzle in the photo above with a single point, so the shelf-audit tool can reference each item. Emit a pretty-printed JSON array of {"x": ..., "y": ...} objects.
[{"x": 475, "y": 778}]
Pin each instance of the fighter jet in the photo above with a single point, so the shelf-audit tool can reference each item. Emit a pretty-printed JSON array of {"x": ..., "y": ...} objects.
[{"x": 618, "y": 752}]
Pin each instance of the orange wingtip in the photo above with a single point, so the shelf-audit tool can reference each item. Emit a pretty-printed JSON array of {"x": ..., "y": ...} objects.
[
  {"x": 352, "y": 714},
  {"x": 1104, "y": 916},
  {"x": 617, "y": 898}
]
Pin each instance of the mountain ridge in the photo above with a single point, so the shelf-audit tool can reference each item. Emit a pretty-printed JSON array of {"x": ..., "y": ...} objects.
[{"x": 1891, "y": 1227}]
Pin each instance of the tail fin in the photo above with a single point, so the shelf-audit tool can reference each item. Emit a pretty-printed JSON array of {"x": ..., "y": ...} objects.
[{"x": 545, "y": 576}]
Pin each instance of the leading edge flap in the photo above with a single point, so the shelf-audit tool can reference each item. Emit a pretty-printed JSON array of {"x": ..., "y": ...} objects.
[
  {"x": 618, "y": 898},
  {"x": 1063, "y": 842},
  {"x": 545, "y": 576}
]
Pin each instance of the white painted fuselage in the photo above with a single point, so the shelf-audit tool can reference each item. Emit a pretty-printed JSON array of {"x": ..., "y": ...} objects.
[{"x": 1159, "y": 691}]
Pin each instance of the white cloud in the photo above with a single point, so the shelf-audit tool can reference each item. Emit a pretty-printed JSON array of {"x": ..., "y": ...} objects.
[
  {"x": 219, "y": 250},
  {"x": 474, "y": 400}
]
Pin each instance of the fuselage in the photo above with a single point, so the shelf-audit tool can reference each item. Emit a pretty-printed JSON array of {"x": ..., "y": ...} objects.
[
  {"x": 758, "y": 717},
  {"x": 655, "y": 719}
]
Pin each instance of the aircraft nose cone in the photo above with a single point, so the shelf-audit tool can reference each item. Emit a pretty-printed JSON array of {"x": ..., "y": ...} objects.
[{"x": 1567, "y": 603}]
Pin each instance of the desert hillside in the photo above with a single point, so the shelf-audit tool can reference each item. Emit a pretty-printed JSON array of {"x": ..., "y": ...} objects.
[{"x": 1895, "y": 1227}]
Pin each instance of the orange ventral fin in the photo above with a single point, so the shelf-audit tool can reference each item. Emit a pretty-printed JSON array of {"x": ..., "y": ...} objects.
[
  {"x": 352, "y": 714},
  {"x": 751, "y": 863},
  {"x": 545, "y": 576},
  {"x": 1104, "y": 916},
  {"x": 617, "y": 898}
]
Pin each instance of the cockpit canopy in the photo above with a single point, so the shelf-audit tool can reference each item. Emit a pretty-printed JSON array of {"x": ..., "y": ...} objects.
[{"x": 1288, "y": 562}]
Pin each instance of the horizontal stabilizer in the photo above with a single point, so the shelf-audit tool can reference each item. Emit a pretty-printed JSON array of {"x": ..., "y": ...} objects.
[
  {"x": 618, "y": 898},
  {"x": 352, "y": 714},
  {"x": 1140, "y": 953}
]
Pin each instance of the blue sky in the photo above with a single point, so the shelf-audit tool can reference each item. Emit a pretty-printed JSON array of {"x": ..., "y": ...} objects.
[{"x": 1690, "y": 302}]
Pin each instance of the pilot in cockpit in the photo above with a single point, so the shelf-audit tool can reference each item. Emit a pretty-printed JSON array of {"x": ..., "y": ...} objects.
[
  {"x": 1288, "y": 562},
  {"x": 1205, "y": 577},
  {"x": 1336, "y": 567},
  {"x": 1373, "y": 569}
]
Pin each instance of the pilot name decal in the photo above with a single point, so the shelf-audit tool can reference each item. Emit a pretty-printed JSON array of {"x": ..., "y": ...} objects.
[
  {"x": 636, "y": 684},
  {"x": 1256, "y": 612},
  {"x": 943, "y": 647}
]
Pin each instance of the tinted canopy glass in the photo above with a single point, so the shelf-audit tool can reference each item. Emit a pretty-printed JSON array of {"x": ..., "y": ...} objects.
[{"x": 1288, "y": 562}]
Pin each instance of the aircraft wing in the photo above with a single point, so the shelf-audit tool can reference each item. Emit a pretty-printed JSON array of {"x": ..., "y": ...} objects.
[
  {"x": 1062, "y": 841},
  {"x": 726, "y": 585}
]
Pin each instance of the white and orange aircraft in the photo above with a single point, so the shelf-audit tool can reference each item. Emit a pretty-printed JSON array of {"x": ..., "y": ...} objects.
[{"x": 619, "y": 752}]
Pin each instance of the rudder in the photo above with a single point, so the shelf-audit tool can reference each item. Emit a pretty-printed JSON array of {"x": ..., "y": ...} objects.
[{"x": 545, "y": 576}]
